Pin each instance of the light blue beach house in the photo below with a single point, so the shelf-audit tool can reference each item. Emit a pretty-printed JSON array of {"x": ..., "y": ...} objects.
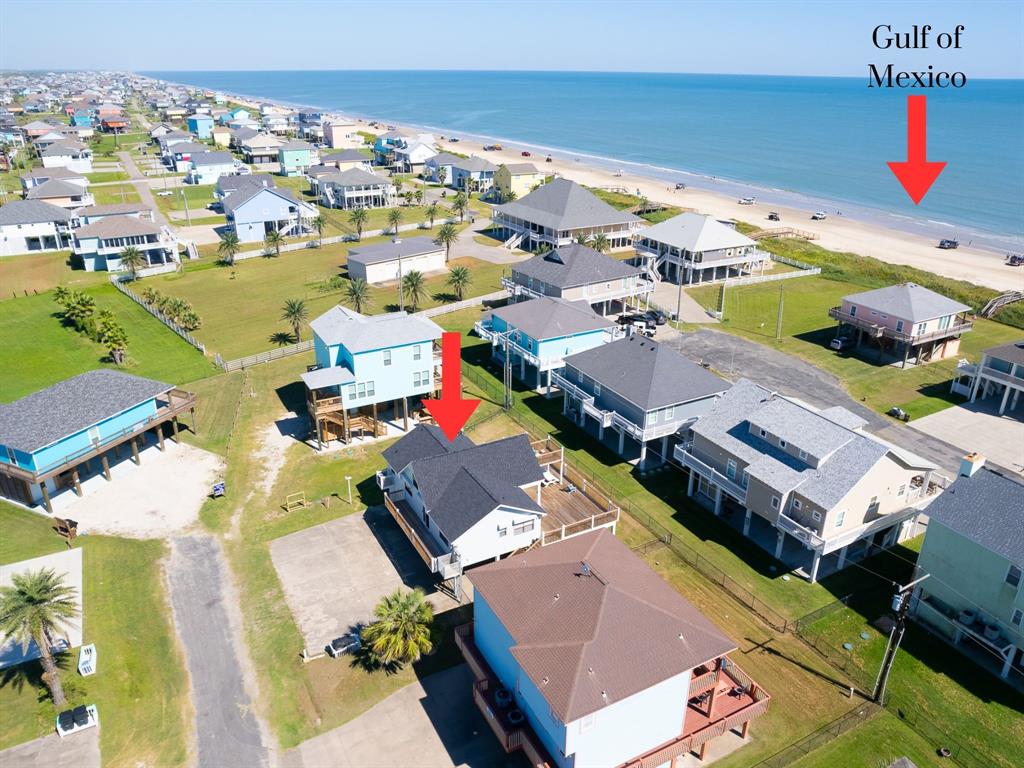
[
  {"x": 235, "y": 114},
  {"x": 252, "y": 212},
  {"x": 583, "y": 657},
  {"x": 208, "y": 167},
  {"x": 295, "y": 157},
  {"x": 540, "y": 333},
  {"x": 62, "y": 436},
  {"x": 369, "y": 367},
  {"x": 200, "y": 125}
]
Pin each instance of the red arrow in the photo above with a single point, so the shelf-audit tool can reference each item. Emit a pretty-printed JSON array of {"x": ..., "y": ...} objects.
[
  {"x": 451, "y": 411},
  {"x": 917, "y": 174}
]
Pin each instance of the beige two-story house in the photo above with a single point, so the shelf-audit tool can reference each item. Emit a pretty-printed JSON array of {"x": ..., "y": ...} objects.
[{"x": 809, "y": 485}]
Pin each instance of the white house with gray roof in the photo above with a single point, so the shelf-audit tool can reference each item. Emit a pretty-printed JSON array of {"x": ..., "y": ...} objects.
[
  {"x": 973, "y": 554},
  {"x": 693, "y": 248},
  {"x": 33, "y": 226},
  {"x": 461, "y": 503},
  {"x": 810, "y": 485},
  {"x": 252, "y": 212},
  {"x": 355, "y": 188},
  {"x": 999, "y": 374},
  {"x": 98, "y": 246},
  {"x": 65, "y": 154},
  {"x": 208, "y": 167},
  {"x": 578, "y": 273},
  {"x": 637, "y": 393},
  {"x": 905, "y": 321},
  {"x": 559, "y": 212},
  {"x": 388, "y": 262}
]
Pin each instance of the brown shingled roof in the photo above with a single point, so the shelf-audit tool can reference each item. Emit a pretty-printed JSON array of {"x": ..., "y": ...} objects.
[{"x": 589, "y": 640}]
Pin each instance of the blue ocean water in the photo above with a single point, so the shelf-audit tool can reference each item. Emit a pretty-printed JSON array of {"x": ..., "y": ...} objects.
[{"x": 815, "y": 137}]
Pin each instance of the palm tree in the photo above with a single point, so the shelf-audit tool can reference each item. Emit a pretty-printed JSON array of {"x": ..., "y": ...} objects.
[
  {"x": 318, "y": 224},
  {"x": 394, "y": 219},
  {"x": 357, "y": 294},
  {"x": 459, "y": 205},
  {"x": 582, "y": 238},
  {"x": 401, "y": 634},
  {"x": 599, "y": 242},
  {"x": 460, "y": 278},
  {"x": 418, "y": 194},
  {"x": 114, "y": 337},
  {"x": 273, "y": 241},
  {"x": 510, "y": 196},
  {"x": 229, "y": 247},
  {"x": 132, "y": 260},
  {"x": 295, "y": 314},
  {"x": 35, "y": 608},
  {"x": 357, "y": 218},
  {"x": 442, "y": 174},
  {"x": 431, "y": 213},
  {"x": 447, "y": 234},
  {"x": 414, "y": 287}
]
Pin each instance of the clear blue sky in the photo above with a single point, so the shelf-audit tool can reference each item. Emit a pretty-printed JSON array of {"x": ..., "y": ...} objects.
[{"x": 823, "y": 37}]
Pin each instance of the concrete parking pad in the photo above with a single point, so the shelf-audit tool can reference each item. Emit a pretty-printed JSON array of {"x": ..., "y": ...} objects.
[
  {"x": 79, "y": 750},
  {"x": 978, "y": 427},
  {"x": 432, "y": 723},
  {"x": 334, "y": 574}
]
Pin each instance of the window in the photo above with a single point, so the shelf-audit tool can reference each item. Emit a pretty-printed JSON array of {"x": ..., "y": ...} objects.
[
  {"x": 502, "y": 531},
  {"x": 803, "y": 455},
  {"x": 587, "y": 723},
  {"x": 730, "y": 469},
  {"x": 652, "y": 418},
  {"x": 352, "y": 391},
  {"x": 853, "y": 311},
  {"x": 782, "y": 443},
  {"x": 1018, "y": 615},
  {"x": 417, "y": 352},
  {"x": 670, "y": 413},
  {"x": 525, "y": 527},
  {"x": 901, "y": 490},
  {"x": 840, "y": 517},
  {"x": 797, "y": 504},
  {"x": 361, "y": 390},
  {"x": 369, "y": 389},
  {"x": 775, "y": 502},
  {"x": 597, "y": 389},
  {"x": 816, "y": 516},
  {"x": 416, "y": 381},
  {"x": 94, "y": 434},
  {"x": 762, "y": 433},
  {"x": 899, "y": 326},
  {"x": 1013, "y": 576},
  {"x": 387, "y": 357}
]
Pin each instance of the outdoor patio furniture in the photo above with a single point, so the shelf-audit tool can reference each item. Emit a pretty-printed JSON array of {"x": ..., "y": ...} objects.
[{"x": 68, "y": 529}]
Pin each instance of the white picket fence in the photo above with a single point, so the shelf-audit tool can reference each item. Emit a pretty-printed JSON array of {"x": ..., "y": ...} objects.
[
  {"x": 455, "y": 306},
  {"x": 264, "y": 357},
  {"x": 118, "y": 283}
]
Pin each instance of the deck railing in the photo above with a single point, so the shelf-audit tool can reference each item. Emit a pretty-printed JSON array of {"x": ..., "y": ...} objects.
[{"x": 409, "y": 531}]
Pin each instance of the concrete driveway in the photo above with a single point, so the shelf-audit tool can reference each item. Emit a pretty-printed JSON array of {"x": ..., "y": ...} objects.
[
  {"x": 333, "y": 574},
  {"x": 735, "y": 357},
  {"x": 430, "y": 724},
  {"x": 80, "y": 750},
  {"x": 978, "y": 427}
]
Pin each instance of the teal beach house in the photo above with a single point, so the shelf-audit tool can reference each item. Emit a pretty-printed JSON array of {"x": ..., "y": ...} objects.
[{"x": 295, "y": 157}]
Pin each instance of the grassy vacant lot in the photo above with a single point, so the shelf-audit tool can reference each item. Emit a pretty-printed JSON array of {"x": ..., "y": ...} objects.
[
  {"x": 116, "y": 193},
  {"x": 109, "y": 144},
  {"x": 874, "y": 744},
  {"x": 751, "y": 311},
  {"x": 623, "y": 200},
  {"x": 241, "y": 306},
  {"x": 140, "y": 686},
  {"x": 197, "y": 195},
  {"x": 37, "y": 272},
  {"x": 37, "y": 350},
  {"x": 99, "y": 177}
]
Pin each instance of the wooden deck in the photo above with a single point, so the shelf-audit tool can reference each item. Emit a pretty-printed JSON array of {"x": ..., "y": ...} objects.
[{"x": 571, "y": 512}]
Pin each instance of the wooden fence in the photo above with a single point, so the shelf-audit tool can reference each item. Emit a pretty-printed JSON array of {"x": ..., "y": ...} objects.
[{"x": 117, "y": 282}]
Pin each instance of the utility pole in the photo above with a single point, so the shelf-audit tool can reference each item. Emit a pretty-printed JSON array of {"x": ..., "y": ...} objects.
[
  {"x": 721, "y": 300},
  {"x": 901, "y": 607},
  {"x": 778, "y": 320},
  {"x": 401, "y": 292},
  {"x": 508, "y": 371},
  {"x": 184, "y": 199}
]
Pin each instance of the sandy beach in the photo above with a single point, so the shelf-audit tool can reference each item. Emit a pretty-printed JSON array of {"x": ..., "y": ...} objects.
[{"x": 981, "y": 266}]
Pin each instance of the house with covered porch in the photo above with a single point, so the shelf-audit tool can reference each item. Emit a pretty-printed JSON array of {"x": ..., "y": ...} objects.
[
  {"x": 369, "y": 368},
  {"x": 636, "y": 395},
  {"x": 55, "y": 439},
  {"x": 355, "y": 188},
  {"x": 98, "y": 246},
  {"x": 692, "y": 248},
  {"x": 31, "y": 226},
  {"x": 535, "y": 336},
  {"x": 560, "y": 212},
  {"x": 809, "y": 485},
  {"x": 999, "y": 375},
  {"x": 583, "y": 657},
  {"x": 253, "y": 211}
]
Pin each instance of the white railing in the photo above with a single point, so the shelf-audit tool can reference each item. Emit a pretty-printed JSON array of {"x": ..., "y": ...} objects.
[
  {"x": 797, "y": 531},
  {"x": 691, "y": 462}
]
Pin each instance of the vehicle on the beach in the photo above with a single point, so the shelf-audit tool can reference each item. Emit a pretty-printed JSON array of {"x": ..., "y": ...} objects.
[
  {"x": 339, "y": 646},
  {"x": 819, "y": 216},
  {"x": 949, "y": 244},
  {"x": 524, "y": 153},
  {"x": 492, "y": 148},
  {"x": 548, "y": 159},
  {"x": 454, "y": 139},
  {"x": 774, "y": 216},
  {"x": 1014, "y": 259},
  {"x": 680, "y": 185},
  {"x": 747, "y": 200},
  {"x": 840, "y": 343}
]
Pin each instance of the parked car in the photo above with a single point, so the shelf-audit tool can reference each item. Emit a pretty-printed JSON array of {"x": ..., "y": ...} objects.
[
  {"x": 627, "y": 318},
  {"x": 819, "y": 216},
  {"x": 1014, "y": 259},
  {"x": 774, "y": 216},
  {"x": 680, "y": 185},
  {"x": 656, "y": 316},
  {"x": 548, "y": 159},
  {"x": 840, "y": 343},
  {"x": 524, "y": 153},
  {"x": 948, "y": 244},
  {"x": 454, "y": 139},
  {"x": 747, "y": 200},
  {"x": 347, "y": 643}
]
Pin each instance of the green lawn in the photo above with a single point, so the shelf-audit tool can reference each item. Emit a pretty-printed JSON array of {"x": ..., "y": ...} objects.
[
  {"x": 116, "y": 193},
  {"x": 752, "y": 312},
  {"x": 241, "y": 306},
  {"x": 198, "y": 197},
  {"x": 109, "y": 144},
  {"x": 127, "y": 616},
  {"x": 37, "y": 272},
  {"x": 100, "y": 177},
  {"x": 42, "y": 351}
]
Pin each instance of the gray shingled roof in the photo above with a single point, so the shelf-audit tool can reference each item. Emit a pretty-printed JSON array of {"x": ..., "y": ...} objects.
[
  {"x": 988, "y": 509},
  {"x": 32, "y": 212},
  {"x": 346, "y": 156},
  {"x": 212, "y": 158},
  {"x": 381, "y": 252},
  {"x": 474, "y": 164},
  {"x": 574, "y": 265},
  {"x": 53, "y": 173},
  {"x": 228, "y": 184},
  {"x": 355, "y": 177},
  {"x": 118, "y": 226},
  {"x": 363, "y": 333},
  {"x": 243, "y": 195},
  {"x": 1011, "y": 353},
  {"x": 111, "y": 209},
  {"x": 61, "y": 149},
  {"x": 588, "y": 640},
  {"x": 44, "y": 417},
  {"x": 188, "y": 148},
  {"x": 521, "y": 168},
  {"x": 908, "y": 301},
  {"x": 444, "y": 158},
  {"x": 461, "y": 482},
  {"x": 296, "y": 145},
  {"x": 565, "y": 205},
  {"x": 648, "y": 374},
  {"x": 549, "y": 317},
  {"x": 54, "y": 188}
]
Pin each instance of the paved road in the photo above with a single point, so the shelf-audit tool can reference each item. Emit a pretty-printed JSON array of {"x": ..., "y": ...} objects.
[
  {"x": 141, "y": 183},
  {"x": 228, "y": 734},
  {"x": 736, "y": 357},
  {"x": 80, "y": 750}
]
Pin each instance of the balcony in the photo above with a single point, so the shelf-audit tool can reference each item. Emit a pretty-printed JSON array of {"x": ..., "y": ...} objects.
[
  {"x": 709, "y": 473},
  {"x": 961, "y": 325},
  {"x": 437, "y": 559}
]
